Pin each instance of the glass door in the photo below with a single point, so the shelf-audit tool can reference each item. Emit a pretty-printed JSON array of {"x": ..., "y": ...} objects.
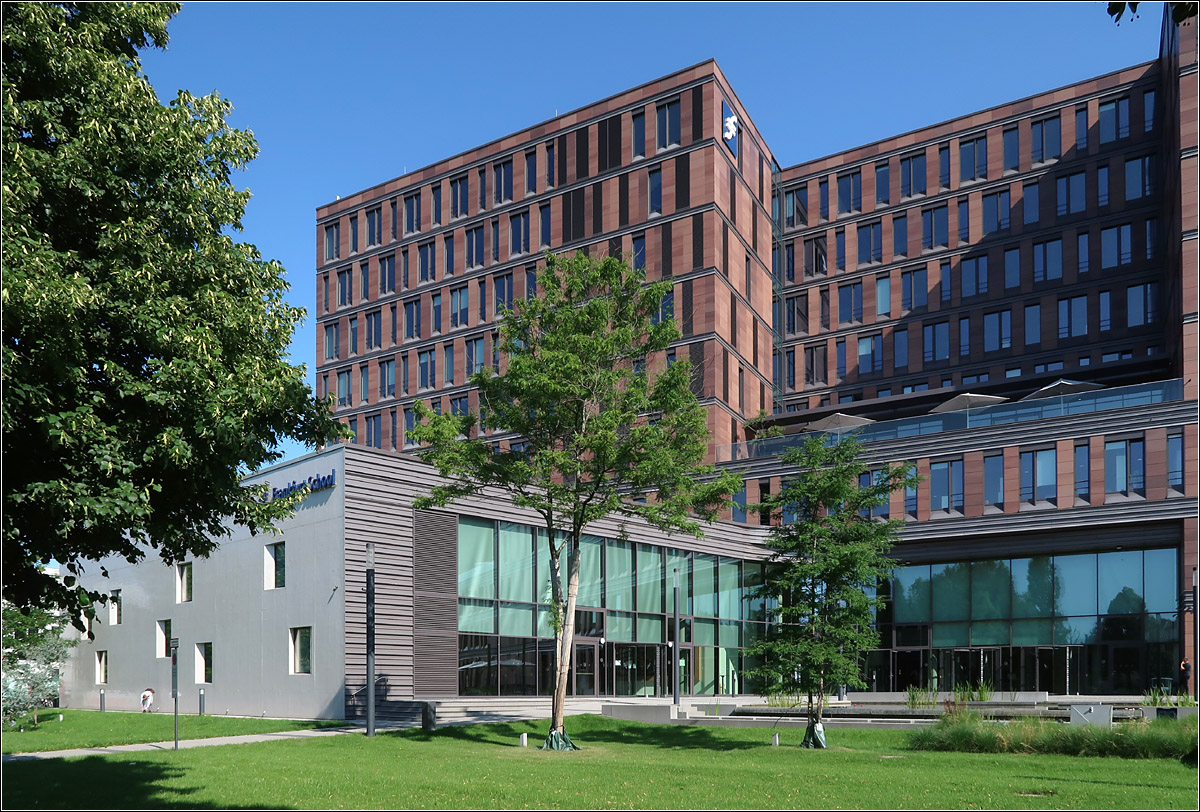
[{"x": 586, "y": 669}]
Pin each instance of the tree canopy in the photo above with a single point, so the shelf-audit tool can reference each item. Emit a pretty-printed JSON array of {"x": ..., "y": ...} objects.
[
  {"x": 604, "y": 422},
  {"x": 144, "y": 350},
  {"x": 831, "y": 546}
]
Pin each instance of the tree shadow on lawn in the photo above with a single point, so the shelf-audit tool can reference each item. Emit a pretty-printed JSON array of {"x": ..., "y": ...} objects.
[
  {"x": 1066, "y": 779},
  {"x": 682, "y": 737},
  {"x": 99, "y": 782}
]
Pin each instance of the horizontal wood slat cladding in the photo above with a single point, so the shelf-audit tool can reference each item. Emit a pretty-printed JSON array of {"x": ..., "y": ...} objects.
[
  {"x": 374, "y": 515},
  {"x": 435, "y": 645}
]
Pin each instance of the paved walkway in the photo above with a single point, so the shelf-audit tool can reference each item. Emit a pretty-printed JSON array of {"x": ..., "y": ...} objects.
[{"x": 187, "y": 744}]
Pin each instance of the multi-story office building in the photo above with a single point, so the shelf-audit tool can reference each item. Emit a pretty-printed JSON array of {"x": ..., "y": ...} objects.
[{"x": 1008, "y": 300}]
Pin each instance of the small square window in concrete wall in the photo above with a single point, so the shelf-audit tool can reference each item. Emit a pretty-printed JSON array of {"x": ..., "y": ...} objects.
[{"x": 101, "y": 667}]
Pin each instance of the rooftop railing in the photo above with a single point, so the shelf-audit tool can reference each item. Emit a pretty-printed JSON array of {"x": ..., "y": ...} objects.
[{"x": 1100, "y": 400}]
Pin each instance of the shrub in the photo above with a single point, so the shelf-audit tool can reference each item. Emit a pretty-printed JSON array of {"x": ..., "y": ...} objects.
[{"x": 968, "y": 732}]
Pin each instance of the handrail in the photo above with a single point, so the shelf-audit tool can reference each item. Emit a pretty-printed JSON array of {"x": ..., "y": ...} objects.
[{"x": 1001, "y": 414}]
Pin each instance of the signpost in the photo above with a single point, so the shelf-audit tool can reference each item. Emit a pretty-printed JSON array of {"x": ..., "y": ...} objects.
[{"x": 174, "y": 646}]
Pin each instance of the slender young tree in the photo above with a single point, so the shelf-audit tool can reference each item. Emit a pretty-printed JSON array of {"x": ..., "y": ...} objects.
[
  {"x": 145, "y": 367},
  {"x": 823, "y": 575},
  {"x": 599, "y": 420}
]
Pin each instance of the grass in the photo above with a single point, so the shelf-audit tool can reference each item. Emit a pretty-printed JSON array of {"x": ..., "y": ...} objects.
[
  {"x": 622, "y": 764},
  {"x": 968, "y": 732},
  {"x": 83, "y": 728}
]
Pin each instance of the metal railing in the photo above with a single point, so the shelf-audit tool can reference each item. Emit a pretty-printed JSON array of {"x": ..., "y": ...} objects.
[{"x": 1100, "y": 400}]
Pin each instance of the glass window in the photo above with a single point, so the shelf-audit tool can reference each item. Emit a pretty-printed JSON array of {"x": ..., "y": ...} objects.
[
  {"x": 937, "y": 342},
  {"x": 946, "y": 485},
  {"x": 1039, "y": 475},
  {"x": 910, "y": 594},
  {"x": 1047, "y": 261},
  {"x": 704, "y": 584},
  {"x": 997, "y": 331},
  {"x": 1075, "y": 584},
  {"x": 618, "y": 575},
  {"x": 944, "y": 166},
  {"x": 301, "y": 649},
  {"x": 882, "y": 184},
  {"x": 1033, "y": 324},
  {"x": 1119, "y": 583},
  {"x": 823, "y": 194},
  {"x": 668, "y": 124},
  {"x": 163, "y": 638},
  {"x": 1102, "y": 186},
  {"x": 1047, "y": 139},
  {"x": 883, "y": 295},
  {"x": 639, "y": 135},
  {"x": 655, "y": 196},
  {"x": 1083, "y": 473},
  {"x": 1141, "y": 304},
  {"x": 650, "y": 586},
  {"x": 476, "y": 558},
  {"x": 1114, "y": 120},
  {"x": 184, "y": 583},
  {"x": 204, "y": 663},
  {"x": 591, "y": 583},
  {"x": 1012, "y": 150},
  {"x": 1174, "y": 463},
  {"x": 1081, "y": 128},
  {"x": 900, "y": 235},
  {"x": 276, "y": 565},
  {"x": 991, "y": 591},
  {"x": 993, "y": 480},
  {"x": 1031, "y": 203},
  {"x": 935, "y": 227},
  {"x": 1125, "y": 467},
  {"x": 972, "y": 158},
  {"x": 516, "y": 566},
  {"x": 1072, "y": 317},
  {"x": 900, "y": 349},
  {"x": 950, "y": 585},
  {"x": 996, "y": 211},
  {"x": 912, "y": 175},
  {"x": 849, "y": 192}
]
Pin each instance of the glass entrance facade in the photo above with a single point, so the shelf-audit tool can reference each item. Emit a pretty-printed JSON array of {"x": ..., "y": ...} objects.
[
  {"x": 624, "y": 626},
  {"x": 1094, "y": 623}
]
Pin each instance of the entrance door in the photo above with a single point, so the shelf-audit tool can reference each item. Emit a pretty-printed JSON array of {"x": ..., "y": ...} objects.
[
  {"x": 586, "y": 669},
  {"x": 635, "y": 669}
]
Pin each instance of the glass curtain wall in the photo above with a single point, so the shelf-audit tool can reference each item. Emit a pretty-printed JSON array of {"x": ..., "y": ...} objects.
[
  {"x": 1082, "y": 623},
  {"x": 625, "y": 609}
]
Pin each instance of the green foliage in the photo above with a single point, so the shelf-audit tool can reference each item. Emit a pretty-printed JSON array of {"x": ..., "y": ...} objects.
[
  {"x": 969, "y": 732},
  {"x": 916, "y": 697},
  {"x": 985, "y": 692},
  {"x": 34, "y": 653},
  {"x": 1161, "y": 697},
  {"x": 144, "y": 351},
  {"x": 601, "y": 419},
  {"x": 574, "y": 390},
  {"x": 1179, "y": 11},
  {"x": 825, "y": 568}
]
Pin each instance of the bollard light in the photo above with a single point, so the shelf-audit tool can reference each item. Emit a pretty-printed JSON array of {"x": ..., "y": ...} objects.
[
  {"x": 201, "y": 702},
  {"x": 101, "y": 700},
  {"x": 524, "y": 739}
]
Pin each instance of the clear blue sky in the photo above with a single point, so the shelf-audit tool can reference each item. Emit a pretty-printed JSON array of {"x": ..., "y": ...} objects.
[{"x": 344, "y": 96}]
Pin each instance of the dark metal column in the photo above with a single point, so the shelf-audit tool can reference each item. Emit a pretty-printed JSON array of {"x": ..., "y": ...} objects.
[{"x": 370, "y": 639}]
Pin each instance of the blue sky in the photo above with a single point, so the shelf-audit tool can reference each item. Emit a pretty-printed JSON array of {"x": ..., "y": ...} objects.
[{"x": 344, "y": 96}]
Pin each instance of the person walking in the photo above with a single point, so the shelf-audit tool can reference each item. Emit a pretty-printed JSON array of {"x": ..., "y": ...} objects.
[
  {"x": 147, "y": 700},
  {"x": 1185, "y": 676}
]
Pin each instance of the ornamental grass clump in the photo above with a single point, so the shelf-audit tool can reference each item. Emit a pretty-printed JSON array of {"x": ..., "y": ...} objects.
[{"x": 969, "y": 732}]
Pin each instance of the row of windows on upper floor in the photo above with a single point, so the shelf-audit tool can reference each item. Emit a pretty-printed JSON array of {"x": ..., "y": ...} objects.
[
  {"x": 996, "y": 208},
  {"x": 475, "y": 255},
  {"x": 972, "y": 276},
  {"x": 1141, "y": 306},
  {"x": 1122, "y": 469},
  {"x": 460, "y": 196},
  {"x": 1045, "y": 144},
  {"x": 405, "y": 318}
]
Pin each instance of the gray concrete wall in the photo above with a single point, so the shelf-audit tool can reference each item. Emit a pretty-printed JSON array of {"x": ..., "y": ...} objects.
[{"x": 247, "y": 624}]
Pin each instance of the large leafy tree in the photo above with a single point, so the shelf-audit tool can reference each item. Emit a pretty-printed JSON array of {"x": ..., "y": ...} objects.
[
  {"x": 601, "y": 420},
  {"x": 144, "y": 350},
  {"x": 830, "y": 554}
]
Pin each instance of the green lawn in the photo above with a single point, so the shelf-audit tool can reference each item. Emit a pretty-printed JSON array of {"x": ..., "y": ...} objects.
[
  {"x": 84, "y": 728},
  {"x": 623, "y": 764}
]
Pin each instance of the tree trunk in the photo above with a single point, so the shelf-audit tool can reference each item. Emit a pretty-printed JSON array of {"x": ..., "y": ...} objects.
[{"x": 557, "y": 739}]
